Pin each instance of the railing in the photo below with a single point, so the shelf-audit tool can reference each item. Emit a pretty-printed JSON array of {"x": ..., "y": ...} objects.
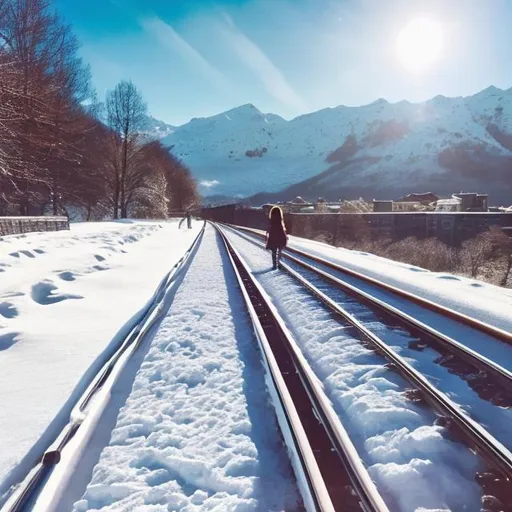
[
  {"x": 176, "y": 215},
  {"x": 450, "y": 227},
  {"x": 19, "y": 225}
]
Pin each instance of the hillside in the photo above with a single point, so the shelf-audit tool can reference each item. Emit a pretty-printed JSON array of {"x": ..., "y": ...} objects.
[
  {"x": 444, "y": 144},
  {"x": 156, "y": 129}
]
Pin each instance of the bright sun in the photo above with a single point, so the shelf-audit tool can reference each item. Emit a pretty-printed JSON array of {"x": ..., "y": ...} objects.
[{"x": 419, "y": 44}]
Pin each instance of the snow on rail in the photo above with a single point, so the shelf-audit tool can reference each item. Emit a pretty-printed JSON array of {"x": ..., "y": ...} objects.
[
  {"x": 196, "y": 430},
  {"x": 484, "y": 302},
  {"x": 50, "y": 479},
  {"x": 479, "y": 386},
  {"x": 413, "y": 462},
  {"x": 481, "y": 390},
  {"x": 66, "y": 301},
  {"x": 358, "y": 479}
]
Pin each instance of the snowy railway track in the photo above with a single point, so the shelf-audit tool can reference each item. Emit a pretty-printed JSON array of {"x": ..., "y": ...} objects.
[
  {"x": 330, "y": 473},
  {"x": 488, "y": 379},
  {"x": 88, "y": 408},
  {"x": 478, "y": 325}
]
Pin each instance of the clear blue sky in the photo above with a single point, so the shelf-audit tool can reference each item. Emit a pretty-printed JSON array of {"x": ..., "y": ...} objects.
[{"x": 194, "y": 58}]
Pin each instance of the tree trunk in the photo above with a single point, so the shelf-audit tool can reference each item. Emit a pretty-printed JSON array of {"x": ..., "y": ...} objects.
[
  {"x": 123, "y": 175},
  {"x": 116, "y": 195},
  {"x": 508, "y": 268}
]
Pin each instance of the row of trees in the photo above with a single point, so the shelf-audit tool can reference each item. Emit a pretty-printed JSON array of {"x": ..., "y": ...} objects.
[{"x": 61, "y": 150}]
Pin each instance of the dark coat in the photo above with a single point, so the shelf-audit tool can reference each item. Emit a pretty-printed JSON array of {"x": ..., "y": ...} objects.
[{"x": 276, "y": 236}]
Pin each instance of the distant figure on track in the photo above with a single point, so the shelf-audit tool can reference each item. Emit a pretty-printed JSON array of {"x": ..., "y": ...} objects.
[
  {"x": 188, "y": 218},
  {"x": 276, "y": 235}
]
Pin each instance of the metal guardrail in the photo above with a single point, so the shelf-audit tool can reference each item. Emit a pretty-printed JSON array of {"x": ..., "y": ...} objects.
[{"x": 20, "y": 225}]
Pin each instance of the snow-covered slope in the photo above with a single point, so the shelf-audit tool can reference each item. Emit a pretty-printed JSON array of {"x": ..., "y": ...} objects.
[
  {"x": 444, "y": 144},
  {"x": 156, "y": 129},
  {"x": 68, "y": 298}
]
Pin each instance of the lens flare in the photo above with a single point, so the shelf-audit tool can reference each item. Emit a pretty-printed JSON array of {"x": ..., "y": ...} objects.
[{"x": 419, "y": 44}]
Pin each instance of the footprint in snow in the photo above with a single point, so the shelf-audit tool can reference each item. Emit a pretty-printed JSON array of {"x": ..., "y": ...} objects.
[
  {"x": 67, "y": 276},
  {"x": 197, "y": 312},
  {"x": 99, "y": 257},
  {"x": 8, "y": 340},
  {"x": 8, "y": 310},
  {"x": 16, "y": 254},
  {"x": 43, "y": 293}
]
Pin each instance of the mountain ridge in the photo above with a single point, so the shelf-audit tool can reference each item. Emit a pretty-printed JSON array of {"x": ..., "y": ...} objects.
[
  {"x": 379, "y": 146},
  {"x": 157, "y": 129}
]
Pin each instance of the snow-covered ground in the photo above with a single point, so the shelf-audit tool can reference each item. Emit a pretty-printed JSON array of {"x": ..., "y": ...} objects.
[
  {"x": 197, "y": 431},
  {"x": 413, "y": 461},
  {"x": 483, "y": 301},
  {"x": 193, "y": 428},
  {"x": 65, "y": 298}
]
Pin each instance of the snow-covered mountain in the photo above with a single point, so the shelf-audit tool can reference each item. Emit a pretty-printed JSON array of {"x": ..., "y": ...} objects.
[
  {"x": 156, "y": 129},
  {"x": 444, "y": 145}
]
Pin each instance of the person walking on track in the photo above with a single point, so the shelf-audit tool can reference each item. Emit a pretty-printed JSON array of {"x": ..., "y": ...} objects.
[
  {"x": 276, "y": 235},
  {"x": 188, "y": 218}
]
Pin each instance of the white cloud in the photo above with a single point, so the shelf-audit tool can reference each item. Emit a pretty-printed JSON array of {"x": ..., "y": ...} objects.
[
  {"x": 169, "y": 38},
  {"x": 258, "y": 62},
  {"x": 209, "y": 184}
]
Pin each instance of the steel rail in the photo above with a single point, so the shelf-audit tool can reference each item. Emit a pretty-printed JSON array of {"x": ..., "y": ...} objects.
[
  {"x": 415, "y": 326},
  {"x": 313, "y": 406},
  {"x": 477, "y": 437},
  {"x": 495, "y": 332},
  {"x": 23, "y": 496}
]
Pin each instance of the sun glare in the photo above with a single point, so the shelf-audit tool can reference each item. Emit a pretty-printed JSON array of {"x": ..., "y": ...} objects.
[{"x": 419, "y": 44}]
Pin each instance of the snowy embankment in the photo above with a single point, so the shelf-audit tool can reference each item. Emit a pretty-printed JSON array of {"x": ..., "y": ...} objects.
[
  {"x": 414, "y": 462},
  {"x": 65, "y": 298},
  {"x": 197, "y": 431},
  {"x": 485, "y": 302}
]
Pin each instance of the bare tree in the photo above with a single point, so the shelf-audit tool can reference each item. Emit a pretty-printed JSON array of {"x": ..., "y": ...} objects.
[
  {"x": 160, "y": 183},
  {"x": 474, "y": 254},
  {"x": 68, "y": 120},
  {"x": 10, "y": 120},
  {"x": 181, "y": 187},
  {"x": 50, "y": 84},
  {"x": 501, "y": 251},
  {"x": 56, "y": 154},
  {"x": 126, "y": 116}
]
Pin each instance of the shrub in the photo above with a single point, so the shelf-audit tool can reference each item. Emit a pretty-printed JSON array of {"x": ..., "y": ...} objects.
[{"x": 474, "y": 253}]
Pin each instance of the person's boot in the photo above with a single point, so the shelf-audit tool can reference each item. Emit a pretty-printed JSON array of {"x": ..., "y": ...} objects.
[{"x": 274, "y": 260}]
